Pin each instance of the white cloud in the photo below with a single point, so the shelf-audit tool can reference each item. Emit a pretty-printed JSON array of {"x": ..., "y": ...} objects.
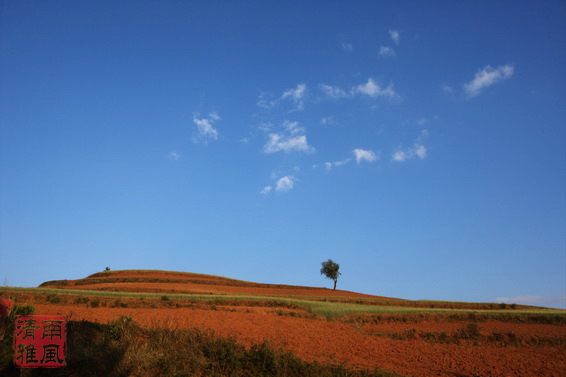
[
  {"x": 420, "y": 151},
  {"x": 174, "y": 155},
  {"x": 395, "y": 36},
  {"x": 295, "y": 169},
  {"x": 399, "y": 156},
  {"x": 523, "y": 300},
  {"x": 364, "y": 155},
  {"x": 347, "y": 47},
  {"x": 422, "y": 121},
  {"x": 292, "y": 139},
  {"x": 556, "y": 301},
  {"x": 327, "y": 120},
  {"x": 417, "y": 150},
  {"x": 284, "y": 184},
  {"x": 447, "y": 89},
  {"x": 283, "y": 181},
  {"x": 262, "y": 101},
  {"x": 372, "y": 89},
  {"x": 386, "y": 51},
  {"x": 279, "y": 142},
  {"x": 330, "y": 165},
  {"x": 343, "y": 162},
  {"x": 293, "y": 127},
  {"x": 487, "y": 77},
  {"x": 265, "y": 127},
  {"x": 297, "y": 95},
  {"x": 205, "y": 128},
  {"x": 333, "y": 91}
]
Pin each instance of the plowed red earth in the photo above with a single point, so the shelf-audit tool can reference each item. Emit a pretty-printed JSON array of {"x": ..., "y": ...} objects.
[
  {"x": 336, "y": 341},
  {"x": 208, "y": 284},
  {"x": 221, "y": 289}
]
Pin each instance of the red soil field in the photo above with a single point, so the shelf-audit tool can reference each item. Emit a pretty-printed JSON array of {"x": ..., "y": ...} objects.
[
  {"x": 207, "y": 284},
  {"x": 316, "y": 338},
  {"x": 321, "y": 339},
  {"x": 221, "y": 289}
]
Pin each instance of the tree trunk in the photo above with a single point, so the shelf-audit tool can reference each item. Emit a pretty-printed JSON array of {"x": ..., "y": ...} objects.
[{"x": 334, "y": 284}]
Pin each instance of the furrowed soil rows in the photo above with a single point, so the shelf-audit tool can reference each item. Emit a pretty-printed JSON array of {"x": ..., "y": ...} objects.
[
  {"x": 409, "y": 344},
  {"x": 334, "y": 340}
]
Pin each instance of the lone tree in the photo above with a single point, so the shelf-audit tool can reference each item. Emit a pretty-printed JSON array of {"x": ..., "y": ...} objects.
[{"x": 330, "y": 270}]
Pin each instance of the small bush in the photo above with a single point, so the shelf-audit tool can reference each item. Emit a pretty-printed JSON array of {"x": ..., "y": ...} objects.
[
  {"x": 54, "y": 299},
  {"x": 121, "y": 327},
  {"x": 396, "y": 336},
  {"x": 81, "y": 300},
  {"x": 6, "y": 349},
  {"x": 471, "y": 331}
]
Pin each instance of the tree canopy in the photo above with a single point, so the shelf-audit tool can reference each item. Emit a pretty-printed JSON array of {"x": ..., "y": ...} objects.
[{"x": 330, "y": 270}]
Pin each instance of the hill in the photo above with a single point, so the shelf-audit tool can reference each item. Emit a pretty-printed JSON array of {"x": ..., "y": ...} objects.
[
  {"x": 192, "y": 283},
  {"x": 411, "y": 338}
]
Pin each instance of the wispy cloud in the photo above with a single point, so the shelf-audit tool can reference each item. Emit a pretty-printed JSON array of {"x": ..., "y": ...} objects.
[
  {"x": 372, "y": 89},
  {"x": 279, "y": 142},
  {"x": 395, "y": 36},
  {"x": 386, "y": 51},
  {"x": 263, "y": 101},
  {"x": 205, "y": 128},
  {"x": 347, "y": 47},
  {"x": 285, "y": 184},
  {"x": 534, "y": 300},
  {"x": 283, "y": 181},
  {"x": 447, "y": 89},
  {"x": 293, "y": 128},
  {"x": 214, "y": 116},
  {"x": 334, "y": 92},
  {"x": 291, "y": 139},
  {"x": 296, "y": 95},
  {"x": 487, "y": 77},
  {"x": 417, "y": 150},
  {"x": 327, "y": 120},
  {"x": 174, "y": 156},
  {"x": 330, "y": 165},
  {"x": 364, "y": 155}
]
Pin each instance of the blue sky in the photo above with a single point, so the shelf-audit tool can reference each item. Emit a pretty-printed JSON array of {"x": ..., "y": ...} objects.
[{"x": 419, "y": 145}]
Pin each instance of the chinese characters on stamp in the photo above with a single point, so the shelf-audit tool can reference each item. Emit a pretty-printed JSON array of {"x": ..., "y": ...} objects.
[{"x": 40, "y": 341}]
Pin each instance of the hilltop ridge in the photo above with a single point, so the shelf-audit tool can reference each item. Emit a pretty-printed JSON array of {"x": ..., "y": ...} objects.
[{"x": 160, "y": 281}]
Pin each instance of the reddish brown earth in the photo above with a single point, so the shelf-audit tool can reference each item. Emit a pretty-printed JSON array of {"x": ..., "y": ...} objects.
[
  {"x": 315, "y": 338},
  {"x": 204, "y": 284}
]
